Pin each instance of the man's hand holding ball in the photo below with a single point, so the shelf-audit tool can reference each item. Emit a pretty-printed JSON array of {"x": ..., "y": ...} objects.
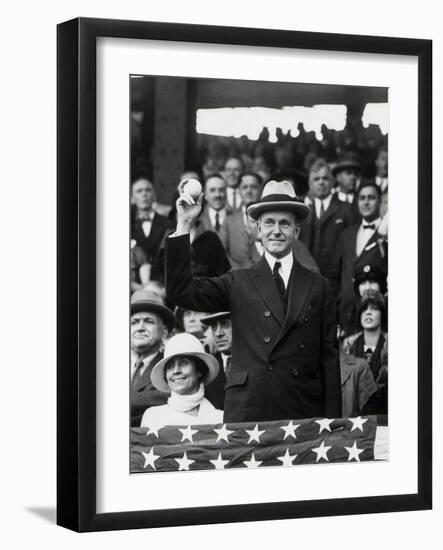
[{"x": 189, "y": 204}]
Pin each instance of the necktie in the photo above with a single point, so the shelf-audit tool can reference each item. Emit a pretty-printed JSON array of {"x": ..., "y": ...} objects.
[
  {"x": 322, "y": 209},
  {"x": 137, "y": 369},
  {"x": 368, "y": 354},
  {"x": 279, "y": 280},
  {"x": 228, "y": 365},
  {"x": 217, "y": 222},
  {"x": 369, "y": 226}
]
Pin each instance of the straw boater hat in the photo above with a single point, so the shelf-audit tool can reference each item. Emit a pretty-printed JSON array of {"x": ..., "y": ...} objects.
[
  {"x": 185, "y": 345},
  {"x": 147, "y": 300},
  {"x": 280, "y": 196},
  {"x": 212, "y": 319}
]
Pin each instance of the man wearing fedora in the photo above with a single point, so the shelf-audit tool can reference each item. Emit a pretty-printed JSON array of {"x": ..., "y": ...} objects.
[
  {"x": 347, "y": 172},
  {"x": 221, "y": 328},
  {"x": 151, "y": 322},
  {"x": 284, "y": 347}
]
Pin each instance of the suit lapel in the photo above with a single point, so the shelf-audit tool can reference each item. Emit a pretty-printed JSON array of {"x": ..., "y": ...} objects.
[
  {"x": 372, "y": 243},
  {"x": 264, "y": 283},
  {"x": 145, "y": 378},
  {"x": 299, "y": 285},
  {"x": 333, "y": 207},
  {"x": 351, "y": 243}
]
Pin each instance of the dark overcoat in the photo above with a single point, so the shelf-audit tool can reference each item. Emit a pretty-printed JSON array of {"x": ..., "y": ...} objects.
[
  {"x": 284, "y": 366},
  {"x": 322, "y": 237}
]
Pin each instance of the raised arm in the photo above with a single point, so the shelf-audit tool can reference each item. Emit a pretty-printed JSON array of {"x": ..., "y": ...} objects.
[{"x": 208, "y": 294}]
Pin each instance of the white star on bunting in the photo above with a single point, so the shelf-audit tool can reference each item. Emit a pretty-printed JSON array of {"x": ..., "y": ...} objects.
[
  {"x": 150, "y": 458},
  {"x": 153, "y": 430},
  {"x": 322, "y": 451},
  {"x": 287, "y": 459},
  {"x": 325, "y": 424},
  {"x": 254, "y": 435},
  {"x": 290, "y": 429},
  {"x": 252, "y": 463},
  {"x": 184, "y": 462},
  {"x": 223, "y": 433},
  {"x": 219, "y": 463},
  {"x": 357, "y": 423},
  {"x": 187, "y": 434},
  {"x": 354, "y": 452}
]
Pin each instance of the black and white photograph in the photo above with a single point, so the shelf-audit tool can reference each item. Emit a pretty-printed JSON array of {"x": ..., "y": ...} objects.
[{"x": 258, "y": 273}]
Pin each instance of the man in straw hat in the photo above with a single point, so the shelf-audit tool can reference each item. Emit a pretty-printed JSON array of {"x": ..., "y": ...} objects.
[
  {"x": 284, "y": 348},
  {"x": 151, "y": 322}
]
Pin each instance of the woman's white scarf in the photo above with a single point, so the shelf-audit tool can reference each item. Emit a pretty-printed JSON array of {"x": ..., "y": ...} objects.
[{"x": 185, "y": 403}]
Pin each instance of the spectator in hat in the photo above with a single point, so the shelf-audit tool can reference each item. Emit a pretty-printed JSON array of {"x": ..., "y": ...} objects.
[
  {"x": 328, "y": 218},
  {"x": 284, "y": 349},
  {"x": 347, "y": 172},
  {"x": 151, "y": 322},
  {"x": 181, "y": 376},
  {"x": 220, "y": 326},
  {"x": 371, "y": 344},
  {"x": 361, "y": 245},
  {"x": 367, "y": 277}
]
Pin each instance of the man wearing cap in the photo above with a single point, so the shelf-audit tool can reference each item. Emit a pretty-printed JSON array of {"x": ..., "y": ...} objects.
[
  {"x": 346, "y": 172},
  {"x": 221, "y": 328},
  {"x": 284, "y": 347},
  {"x": 361, "y": 245},
  {"x": 151, "y": 321}
]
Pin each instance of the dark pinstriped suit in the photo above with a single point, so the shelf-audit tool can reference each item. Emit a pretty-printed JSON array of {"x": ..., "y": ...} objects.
[{"x": 283, "y": 365}]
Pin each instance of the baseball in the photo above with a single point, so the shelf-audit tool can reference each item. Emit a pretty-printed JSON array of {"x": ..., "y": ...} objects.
[{"x": 192, "y": 187}]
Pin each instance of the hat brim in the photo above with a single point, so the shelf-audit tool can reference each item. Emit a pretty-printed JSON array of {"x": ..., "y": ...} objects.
[
  {"x": 210, "y": 319},
  {"x": 165, "y": 313},
  {"x": 158, "y": 377},
  {"x": 299, "y": 209}
]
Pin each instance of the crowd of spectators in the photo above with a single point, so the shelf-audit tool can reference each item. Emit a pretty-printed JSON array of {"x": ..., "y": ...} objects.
[{"x": 344, "y": 179}]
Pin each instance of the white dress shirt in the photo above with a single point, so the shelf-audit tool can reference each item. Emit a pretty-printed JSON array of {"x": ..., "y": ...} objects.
[
  {"x": 326, "y": 202},
  {"x": 363, "y": 235},
  {"x": 345, "y": 197},
  {"x": 382, "y": 183},
  {"x": 225, "y": 357},
  {"x": 285, "y": 268},
  {"x": 233, "y": 197},
  {"x": 221, "y": 215},
  {"x": 147, "y": 224}
]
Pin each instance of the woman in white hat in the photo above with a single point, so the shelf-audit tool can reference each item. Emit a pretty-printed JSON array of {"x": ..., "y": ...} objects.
[{"x": 184, "y": 372}]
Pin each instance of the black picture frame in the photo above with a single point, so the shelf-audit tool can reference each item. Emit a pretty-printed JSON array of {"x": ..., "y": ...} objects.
[{"x": 76, "y": 264}]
